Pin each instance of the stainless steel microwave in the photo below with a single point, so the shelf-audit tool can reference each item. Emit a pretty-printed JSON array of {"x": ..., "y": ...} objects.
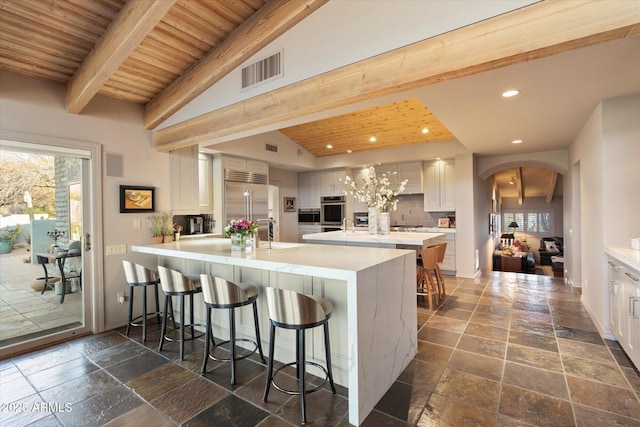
[{"x": 309, "y": 216}]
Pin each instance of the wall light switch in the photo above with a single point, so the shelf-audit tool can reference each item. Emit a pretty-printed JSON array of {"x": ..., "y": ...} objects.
[
  {"x": 116, "y": 250},
  {"x": 137, "y": 223}
]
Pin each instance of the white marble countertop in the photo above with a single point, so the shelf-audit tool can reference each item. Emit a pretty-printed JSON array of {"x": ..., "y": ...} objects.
[
  {"x": 310, "y": 259},
  {"x": 629, "y": 256},
  {"x": 395, "y": 237}
]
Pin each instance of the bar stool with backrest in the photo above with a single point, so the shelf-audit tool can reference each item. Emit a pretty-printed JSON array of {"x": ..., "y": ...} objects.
[
  {"x": 221, "y": 293},
  {"x": 439, "y": 276},
  {"x": 291, "y": 310},
  {"x": 140, "y": 276},
  {"x": 428, "y": 286},
  {"x": 177, "y": 284}
]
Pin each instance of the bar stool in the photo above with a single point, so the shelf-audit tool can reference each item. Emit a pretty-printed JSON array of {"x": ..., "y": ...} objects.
[
  {"x": 428, "y": 286},
  {"x": 173, "y": 284},
  {"x": 291, "y": 310},
  {"x": 439, "y": 276},
  {"x": 139, "y": 276},
  {"x": 220, "y": 293}
]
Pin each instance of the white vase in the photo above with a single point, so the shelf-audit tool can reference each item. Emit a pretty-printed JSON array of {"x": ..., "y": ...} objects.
[
  {"x": 384, "y": 222},
  {"x": 373, "y": 221}
]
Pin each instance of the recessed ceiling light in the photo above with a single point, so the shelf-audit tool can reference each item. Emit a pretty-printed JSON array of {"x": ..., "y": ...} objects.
[
  {"x": 516, "y": 141},
  {"x": 372, "y": 139},
  {"x": 349, "y": 151},
  {"x": 329, "y": 146},
  {"x": 509, "y": 93},
  {"x": 425, "y": 130}
]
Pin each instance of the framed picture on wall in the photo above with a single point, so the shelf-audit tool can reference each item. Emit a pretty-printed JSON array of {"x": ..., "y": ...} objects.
[
  {"x": 289, "y": 204},
  {"x": 137, "y": 199}
]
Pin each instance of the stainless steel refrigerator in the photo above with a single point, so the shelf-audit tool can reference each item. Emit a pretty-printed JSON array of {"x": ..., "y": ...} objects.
[{"x": 247, "y": 200}]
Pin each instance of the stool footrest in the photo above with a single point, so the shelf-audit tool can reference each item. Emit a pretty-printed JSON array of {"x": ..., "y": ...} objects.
[
  {"x": 295, "y": 392},
  {"x": 217, "y": 359},
  {"x": 198, "y": 334}
]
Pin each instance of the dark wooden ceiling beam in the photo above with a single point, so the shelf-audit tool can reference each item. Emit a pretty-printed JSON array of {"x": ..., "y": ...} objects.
[
  {"x": 268, "y": 23},
  {"x": 540, "y": 30},
  {"x": 124, "y": 34}
]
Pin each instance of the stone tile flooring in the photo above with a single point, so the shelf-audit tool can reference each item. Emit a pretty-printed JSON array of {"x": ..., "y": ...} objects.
[
  {"x": 25, "y": 312},
  {"x": 504, "y": 350}
]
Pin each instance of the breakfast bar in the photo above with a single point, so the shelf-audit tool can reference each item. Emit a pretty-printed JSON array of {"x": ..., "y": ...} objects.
[{"x": 372, "y": 290}]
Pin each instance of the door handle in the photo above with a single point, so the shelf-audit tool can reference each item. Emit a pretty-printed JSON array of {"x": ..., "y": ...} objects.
[{"x": 87, "y": 241}]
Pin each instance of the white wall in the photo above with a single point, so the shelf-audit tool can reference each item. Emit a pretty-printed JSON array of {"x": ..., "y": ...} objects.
[
  {"x": 466, "y": 229},
  {"x": 35, "y": 106},
  {"x": 607, "y": 152},
  {"x": 287, "y": 182}
]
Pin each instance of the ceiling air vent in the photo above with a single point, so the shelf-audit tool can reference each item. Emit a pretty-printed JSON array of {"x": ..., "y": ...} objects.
[
  {"x": 261, "y": 71},
  {"x": 271, "y": 147}
]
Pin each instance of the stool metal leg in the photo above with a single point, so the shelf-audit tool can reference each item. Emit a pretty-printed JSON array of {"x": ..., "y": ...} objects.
[
  {"x": 181, "y": 327},
  {"x": 167, "y": 300},
  {"x": 144, "y": 314},
  {"x": 232, "y": 343},
  {"x": 130, "y": 310},
  {"x": 328, "y": 356},
  {"x": 301, "y": 370},
  {"x": 257, "y": 326},
  {"x": 193, "y": 332},
  {"x": 272, "y": 338},
  {"x": 157, "y": 303},
  {"x": 209, "y": 334}
]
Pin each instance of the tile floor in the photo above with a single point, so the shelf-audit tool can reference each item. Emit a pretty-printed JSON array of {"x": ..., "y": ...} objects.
[
  {"x": 25, "y": 312},
  {"x": 504, "y": 350}
]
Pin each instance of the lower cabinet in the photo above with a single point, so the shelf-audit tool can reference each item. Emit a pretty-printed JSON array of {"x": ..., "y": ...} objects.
[
  {"x": 448, "y": 265},
  {"x": 624, "y": 307}
]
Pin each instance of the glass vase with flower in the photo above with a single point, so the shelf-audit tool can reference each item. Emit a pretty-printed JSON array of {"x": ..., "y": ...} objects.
[
  {"x": 241, "y": 232},
  {"x": 379, "y": 195}
]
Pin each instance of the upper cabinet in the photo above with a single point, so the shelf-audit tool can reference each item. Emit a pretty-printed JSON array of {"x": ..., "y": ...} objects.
[
  {"x": 308, "y": 190},
  {"x": 184, "y": 169},
  {"x": 205, "y": 179},
  {"x": 245, "y": 165},
  {"x": 439, "y": 185},
  {"x": 397, "y": 173},
  {"x": 332, "y": 182}
]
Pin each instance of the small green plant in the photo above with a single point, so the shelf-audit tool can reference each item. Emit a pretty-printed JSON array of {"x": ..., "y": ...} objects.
[
  {"x": 156, "y": 223},
  {"x": 167, "y": 223},
  {"x": 11, "y": 234}
]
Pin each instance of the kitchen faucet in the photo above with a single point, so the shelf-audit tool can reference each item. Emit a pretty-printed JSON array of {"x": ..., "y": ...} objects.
[
  {"x": 344, "y": 223},
  {"x": 268, "y": 221}
]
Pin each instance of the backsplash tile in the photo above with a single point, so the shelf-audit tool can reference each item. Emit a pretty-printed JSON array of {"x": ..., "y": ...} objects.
[{"x": 411, "y": 212}]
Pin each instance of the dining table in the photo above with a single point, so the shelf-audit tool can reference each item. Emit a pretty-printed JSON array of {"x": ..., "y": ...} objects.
[{"x": 60, "y": 259}]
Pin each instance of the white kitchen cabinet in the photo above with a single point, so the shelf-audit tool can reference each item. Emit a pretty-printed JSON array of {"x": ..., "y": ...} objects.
[
  {"x": 396, "y": 173},
  {"x": 448, "y": 265},
  {"x": 332, "y": 182},
  {"x": 308, "y": 190},
  {"x": 245, "y": 165},
  {"x": 412, "y": 172},
  {"x": 184, "y": 171},
  {"x": 624, "y": 304},
  {"x": 439, "y": 185},
  {"x": 390, "y": 170},
  {"x": 205, "y": 181}
]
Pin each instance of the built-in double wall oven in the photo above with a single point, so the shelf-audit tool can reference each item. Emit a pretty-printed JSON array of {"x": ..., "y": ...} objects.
[{"x": 332, "y": 212}]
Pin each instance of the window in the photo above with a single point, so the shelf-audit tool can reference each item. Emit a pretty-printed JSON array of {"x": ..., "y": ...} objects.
[{"x": 528, "y": 221}]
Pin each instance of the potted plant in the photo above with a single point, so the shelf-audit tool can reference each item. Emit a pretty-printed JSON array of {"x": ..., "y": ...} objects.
[
  {"x": 8, "y": 238},
  {"x": 167, "y": 226},
  {"x": 156, "y": 225}
]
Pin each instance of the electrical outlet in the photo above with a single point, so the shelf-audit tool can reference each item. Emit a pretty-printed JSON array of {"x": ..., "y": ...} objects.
[
  {"x": 137, "y": 223},
  {"x": 121, "y": 297},
  {"x": 116, "y": 249}
]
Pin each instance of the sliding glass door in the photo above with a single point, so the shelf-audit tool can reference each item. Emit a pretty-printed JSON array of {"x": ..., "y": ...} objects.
[{"x": 46, "y": 273}]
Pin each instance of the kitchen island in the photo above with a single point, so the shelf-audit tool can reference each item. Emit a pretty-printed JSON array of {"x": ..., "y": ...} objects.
[
  {"x": 363, "y": 238},
  {"x": 373, "y": 326}
]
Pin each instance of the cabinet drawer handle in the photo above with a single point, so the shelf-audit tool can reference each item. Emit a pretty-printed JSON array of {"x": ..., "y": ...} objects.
[
  {"x": 632, "y": 307},
  {"x": 635, "y": 279}
]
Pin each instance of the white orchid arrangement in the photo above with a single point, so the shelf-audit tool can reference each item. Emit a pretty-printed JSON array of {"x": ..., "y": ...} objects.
[{"x": 376, "y": 191}]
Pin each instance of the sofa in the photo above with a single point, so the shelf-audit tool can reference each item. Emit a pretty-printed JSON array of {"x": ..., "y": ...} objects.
[{"x": 550, "y": 246}]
